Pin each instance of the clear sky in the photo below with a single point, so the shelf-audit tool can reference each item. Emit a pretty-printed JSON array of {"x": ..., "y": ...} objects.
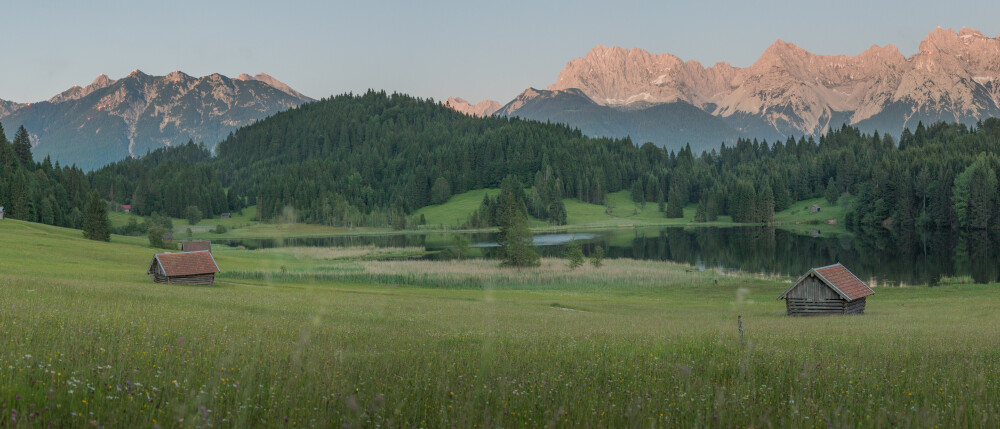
[{"x": 472, "y": 49}]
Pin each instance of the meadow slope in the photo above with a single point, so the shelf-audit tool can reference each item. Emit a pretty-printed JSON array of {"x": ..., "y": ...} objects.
[{"x": 302, "y": 337}]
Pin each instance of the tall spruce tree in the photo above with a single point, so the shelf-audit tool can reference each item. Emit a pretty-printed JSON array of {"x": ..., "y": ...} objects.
[
  {"x": 96, "y": 225},
  {"x": 22, "y": 147},
  {"x": 675, "y": 202},
  {"x": 515, "y": 237},
  {"x": 831, "y": 192}
]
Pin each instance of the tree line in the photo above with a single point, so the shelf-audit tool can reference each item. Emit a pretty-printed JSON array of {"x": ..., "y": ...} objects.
[
  {"x": 373, "y": 159},
  {"x": 39, "y": 191}
]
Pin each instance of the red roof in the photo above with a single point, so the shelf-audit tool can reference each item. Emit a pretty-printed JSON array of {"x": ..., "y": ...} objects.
[
  {"x": 187, "y": 263},
  {"x": 126, "y": 207},
  {"x": 845, "y": 282},
  {"x": 838, "y": 278}
]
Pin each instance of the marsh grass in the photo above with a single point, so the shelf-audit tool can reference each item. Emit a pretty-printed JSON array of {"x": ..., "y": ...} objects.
[
  {"x": 86, "y": 341},
  {"x": 369, "y": 252}
]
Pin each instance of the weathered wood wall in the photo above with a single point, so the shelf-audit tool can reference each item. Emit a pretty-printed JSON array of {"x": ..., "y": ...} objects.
[
  {"x": 203, "y": 279},
  {"x": 812, "y": 288},
  {"x": 157, "y": 274}
]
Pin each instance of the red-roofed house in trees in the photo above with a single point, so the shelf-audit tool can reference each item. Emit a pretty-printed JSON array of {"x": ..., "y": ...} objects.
[
  {"x": 827, "y": 290},
  {"x": 190, "y": 268}
]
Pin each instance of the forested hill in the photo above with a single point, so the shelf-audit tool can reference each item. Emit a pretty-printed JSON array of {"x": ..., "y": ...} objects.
[
  {"x": 382, "y": 154},
  {"x": 372, "y": 159}
]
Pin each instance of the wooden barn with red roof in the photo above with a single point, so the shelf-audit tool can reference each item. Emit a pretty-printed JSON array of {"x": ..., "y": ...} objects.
[
  {"x": 832, "y": 289},
  {"x": 189, "y": 268}
]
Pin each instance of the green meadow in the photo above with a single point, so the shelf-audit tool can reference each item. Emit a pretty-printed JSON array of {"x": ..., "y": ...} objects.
[{"x": 367, "y": 337}]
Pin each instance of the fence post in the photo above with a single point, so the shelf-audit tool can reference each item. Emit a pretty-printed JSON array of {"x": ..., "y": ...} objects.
[{"x": 739, "y": 324}]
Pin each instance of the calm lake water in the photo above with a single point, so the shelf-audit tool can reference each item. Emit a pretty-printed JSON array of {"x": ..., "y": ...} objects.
[{"x": 908, "y": 257}]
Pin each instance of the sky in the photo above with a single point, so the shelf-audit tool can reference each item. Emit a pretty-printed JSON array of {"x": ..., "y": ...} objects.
[{"x": 432, "y": 49}]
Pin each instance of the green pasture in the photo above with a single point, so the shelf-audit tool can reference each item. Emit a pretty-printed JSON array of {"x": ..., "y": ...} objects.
[{"x": 351, "y": 338}]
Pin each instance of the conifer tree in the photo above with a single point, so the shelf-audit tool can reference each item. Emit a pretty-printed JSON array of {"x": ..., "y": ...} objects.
[
  {"x": 597, "y": 258},
  {"x": 96, "y": 225},
  {"x": 675, "y": 202},
  {"x": 765, "y": 205},
  {"x": 22, "y": 147},
  {"x": 574, "y": 255},
  {"x": 515, "y": 237},
  {"x": 831, "y": 193}
]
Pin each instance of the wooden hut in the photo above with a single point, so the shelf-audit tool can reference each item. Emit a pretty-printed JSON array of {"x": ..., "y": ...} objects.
[
  {"x": 190, "y": 268},
  {"x": 196, "y": 246},
  {"x": 827, "y": 290},
  {"x": 815, "y": 208}
]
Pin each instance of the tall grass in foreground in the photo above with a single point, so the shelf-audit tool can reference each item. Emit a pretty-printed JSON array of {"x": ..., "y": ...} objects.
[
  {"x": 86, "y": 341},
  {"x": 320, "y": 354}
]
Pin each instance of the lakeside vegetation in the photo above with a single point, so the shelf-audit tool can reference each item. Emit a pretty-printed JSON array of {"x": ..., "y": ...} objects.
[{"x": 309, "y": 338}]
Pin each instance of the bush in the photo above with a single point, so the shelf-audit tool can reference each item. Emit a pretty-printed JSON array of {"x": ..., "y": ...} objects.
[
  {"x": 574, "y": 256},
  {"x": 597, "y": 259},
  {"x": 220, "y": 229},
  {"x": 156, "y": 237},
  {"x": 193, "y": 215}
]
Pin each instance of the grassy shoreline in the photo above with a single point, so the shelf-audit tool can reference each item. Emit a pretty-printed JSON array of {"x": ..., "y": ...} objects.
[{"x": 621, "y": 213}]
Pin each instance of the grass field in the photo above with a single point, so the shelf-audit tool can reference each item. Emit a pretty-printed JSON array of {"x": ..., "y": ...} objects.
[
  {"x": 456, "y": 211},
  {"x": 300, "y": 337}
]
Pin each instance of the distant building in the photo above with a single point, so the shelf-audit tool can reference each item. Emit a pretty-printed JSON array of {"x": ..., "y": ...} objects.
[
  {"x": 196, "y": 246},
  {"x": 226, "y": 215},
  {"x": 127, "y": 207},
  {"x": 190, "y": 268},
  {"x": 814, "y": 208},
  {"x": 1, "y": 212},
  {"x": 827, "y": 290},
  {"x": 815, "y": 233}
]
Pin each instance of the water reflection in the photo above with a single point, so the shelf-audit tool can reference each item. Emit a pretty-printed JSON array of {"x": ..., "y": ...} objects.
[
  {"x": 545, "y": 240},
  {"x": 879, "y": 255}
]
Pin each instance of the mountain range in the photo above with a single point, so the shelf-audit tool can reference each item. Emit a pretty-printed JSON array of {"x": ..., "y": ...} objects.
[
  {"x": 110, "y": 120},
  {"x": 788, "y": 91}
]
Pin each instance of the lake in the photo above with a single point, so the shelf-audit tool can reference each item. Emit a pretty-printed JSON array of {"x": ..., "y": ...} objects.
[{"x": 882, "y": 256}]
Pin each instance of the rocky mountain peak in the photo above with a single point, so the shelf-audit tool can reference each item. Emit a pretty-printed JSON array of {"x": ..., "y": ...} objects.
[
  {"x": 481, "y": 109},
  {"x": 138, "y": 113},
  {"x": 279, "y": 85},
  {"x": 76, "y": 92},
  {"x": 102, "y": 81},
  {"x": 955, "y": 75},
  {"x": 177, "y": 76}
]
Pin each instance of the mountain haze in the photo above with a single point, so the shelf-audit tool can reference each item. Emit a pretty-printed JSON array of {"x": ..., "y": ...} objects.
[
  {"x": 788, "y": 91},
  {"x": 109, "y": 120}
]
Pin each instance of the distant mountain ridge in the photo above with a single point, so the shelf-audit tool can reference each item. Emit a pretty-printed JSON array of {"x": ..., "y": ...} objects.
[
  {"x": 109, "y": 120},
  {"x": 788, "y": 91},
  {"x": 483, "y": 108}
]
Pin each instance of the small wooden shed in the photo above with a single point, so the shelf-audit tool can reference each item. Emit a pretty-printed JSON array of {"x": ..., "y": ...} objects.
[
  {"x": 196, "y": 245},
  {"x": 190, "y": 268},
  {"x": 815, "y": 208},
  {"x": 832, "y": 289}
]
